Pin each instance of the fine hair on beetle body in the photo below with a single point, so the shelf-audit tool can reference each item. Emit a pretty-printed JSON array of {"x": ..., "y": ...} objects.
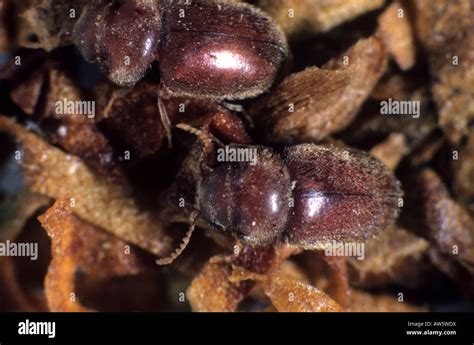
[{"x": 308, "y": 195}]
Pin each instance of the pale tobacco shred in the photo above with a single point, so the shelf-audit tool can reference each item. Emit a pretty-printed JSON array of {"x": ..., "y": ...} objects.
[
  {"x": 394, "y": 29},
  {"x": 360, "y": 301},
  {"x": 450, "y": 226},
  {"x": 310, "y": 105},
  {"x": 445, "y": 29},
  {"x": 53, "y": 173},
  {"x": 212, "y": 289},
  {"x": 396, "y": 257},
  {"x": 391, "y": 150},
  {"x": 81, "y": 248},
  {"x": 287, "y": 294},
  {"x": 297, "y": 17}
]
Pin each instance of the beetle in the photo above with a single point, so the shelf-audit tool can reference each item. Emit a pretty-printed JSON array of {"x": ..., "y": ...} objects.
[
  {"x": 308, "y": 195},
  {"x": 205, "y": 48}
]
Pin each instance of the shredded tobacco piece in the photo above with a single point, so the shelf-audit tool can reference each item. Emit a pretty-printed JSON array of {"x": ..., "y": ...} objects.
[
  {"x": 391, "y": 150},
  {"x": 312, "y": 104},
  {"x": 79, "y": 248},
  {"x": 396, "y": 34},
  {"x": 445, "y": 29},
  {"x": 288, "y": 295},
  {"x": 451, "y": 228},
  {"x": 396, "y": 257},
  {"x": 51, "y": 172},
  {"x": 303, "y": 16},
  {"x": 212, "y": 289}
]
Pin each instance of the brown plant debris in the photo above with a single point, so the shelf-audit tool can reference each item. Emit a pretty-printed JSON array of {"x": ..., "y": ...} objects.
[
  {"x": 445, "y": 29},
  {"x": 312, "y": 104},
  {"x": 396, "y": 257},
  {"x": 450, "y": 226},
  {"x": 81, "y": 248},
  {"x": 289, "y": 295},
  {"x": 212, "y": 289},
  {"x": 391, "y": 150},
  {"x": 396, "y": 34},
  {"x": 303, "y": 16},
  {"x": 51, "y": 172},
  {"x": 45, "y": 24}
]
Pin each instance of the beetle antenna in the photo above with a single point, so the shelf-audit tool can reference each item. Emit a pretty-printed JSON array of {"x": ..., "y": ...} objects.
[{"x": 184, "y": 243}]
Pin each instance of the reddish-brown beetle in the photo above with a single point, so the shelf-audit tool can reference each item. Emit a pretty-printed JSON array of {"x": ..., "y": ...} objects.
[{"x": 206, "y": 48}]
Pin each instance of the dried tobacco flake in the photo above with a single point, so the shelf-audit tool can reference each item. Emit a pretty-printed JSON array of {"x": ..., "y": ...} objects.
[
  {"x": 451, "y": 228},
  {"x": 288, "y": 295},
  {"x": 396, "y": 257},
  {"x": 297, "y": 17},
  {"x": 80, "y": 248},
  {"x": 51, "y": 172},
  {"x": 391, "y": 150},
  {"x": 396, "y": 34},
  {"x": 314, "y": 103},
  {"x": 445, "y": 28}
]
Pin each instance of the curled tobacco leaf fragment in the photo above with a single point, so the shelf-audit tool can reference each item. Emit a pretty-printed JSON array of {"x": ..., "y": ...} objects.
[
  {"x": 396, "y": 34},
  {"x": 391, "y": 150},
  {"x": 288, "y": 295},
  {"x": 51, "y": 172},
  {"x": 79, "y": 249},
  {"x": 303, "y": 16},
  {"x": 396, "y": 257},
  {"x": 212, "y": 289},
  {"x": 312, "y": 104},
  {"x": 451, "y": 228},
  {"x": 445, "y": 30}
]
